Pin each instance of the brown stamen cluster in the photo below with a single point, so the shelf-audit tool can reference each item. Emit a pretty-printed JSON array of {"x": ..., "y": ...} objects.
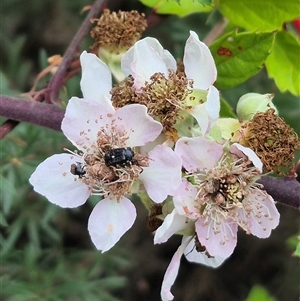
[
  {"x": 163, "y": 96},
  {"x": 274, "y": 141},
  {"x": 227, "y": 184},
  {"x": 111, "y": 180},
  {"x": 118, "y": 31}
]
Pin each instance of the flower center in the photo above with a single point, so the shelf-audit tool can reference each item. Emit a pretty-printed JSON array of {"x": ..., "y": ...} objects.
[
  {"x": 112, "y": 168},
  {"x": 224, "y": 187},
  {"x": 163, "y": 96}
]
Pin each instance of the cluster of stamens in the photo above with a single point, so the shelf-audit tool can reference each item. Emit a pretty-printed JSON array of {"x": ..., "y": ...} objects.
[
  {"x": 274, "y": 141},
  {"x": 225, "y": 187},
  {"x": 163, "y": 96},
  {"x": 118, "y": 31},
  {"x": 110, "y": 178}
]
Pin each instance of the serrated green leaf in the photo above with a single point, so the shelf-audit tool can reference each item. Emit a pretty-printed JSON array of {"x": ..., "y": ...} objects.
[
  {"x": 239, "y": 56},
  {"x": 262, "y": 15},
  {"x": 180, "y": 8},
  {"x": 284, "y": 61}
]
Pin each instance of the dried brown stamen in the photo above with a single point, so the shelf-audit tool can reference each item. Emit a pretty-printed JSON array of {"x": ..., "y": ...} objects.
[
  {"x": 118, "y": 31},
  {"x": 274, "y": 141}
]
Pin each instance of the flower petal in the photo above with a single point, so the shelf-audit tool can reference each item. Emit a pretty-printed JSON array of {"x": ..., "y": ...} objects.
[
  {"x": 172, "y": 224},
  {"x": 163, "y": 175},
  {"x": 109, "y": 220},
  {"x": 83, "y": 120},
  {"x": 144, "y": 59},
  {"x": 140, "y": 127},
  {"x": 219, "y": 237},
  {"x": 198, "y": 63},
  {"x": 242, "y": 151},
  {"x": 207, "y": 113},
  {"x": 198, "y": 153},
  {"x": 96, "y": 77},
  {"x": 54, "y": 180},
  {"x": 171, "y": 273},
  {"x": 184, "y": 200},
  {"x": 264, "y": 214},
  {"x": 193, "y": 255}
]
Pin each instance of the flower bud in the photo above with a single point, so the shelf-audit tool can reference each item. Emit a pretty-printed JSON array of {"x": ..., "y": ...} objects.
[{"x": 252, "y": 103}]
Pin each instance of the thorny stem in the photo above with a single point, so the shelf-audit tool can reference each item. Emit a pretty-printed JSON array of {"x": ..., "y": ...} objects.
[{"x": 57, "y": 79}]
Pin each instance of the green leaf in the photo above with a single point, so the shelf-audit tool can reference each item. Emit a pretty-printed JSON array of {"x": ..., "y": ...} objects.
[
  {"x": 263, "y": 15},
  {"x": 239, "y": 56},
  {"x": 284, "y": 61},
  {"x": 297, "y": 251},
  {"x": 180, "y": 8},
  {"x": 226, "y": 109},
  {"x": 258, "y": 293}
]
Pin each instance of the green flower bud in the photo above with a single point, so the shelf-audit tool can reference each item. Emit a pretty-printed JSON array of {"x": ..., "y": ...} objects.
[{"x": 252, "y": 103}]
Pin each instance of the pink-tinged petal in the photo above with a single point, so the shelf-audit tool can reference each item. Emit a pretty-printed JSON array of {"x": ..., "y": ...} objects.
[
  {"x": 198, "y": 153},
  {"x": 171, "y": 274},
  {"x": 198, "y": 63},
  {"x": 218, "y": 235},
  {"x": 54, "y": 180},
  {"x": 140, "y": 127},
  {"x": 144, "y": 59},
  {"x": 264, "y": 214},
  {"x": 96, "y": 77},
  {"x": 184, "y": 200},
  {"x": 83, "y": 120},
  {"x": 109, "y": 220},
  {"x": 242, "y": 152},
  {"x": 163, "y": 175},
  {"x": 171, "y": 225},
  {"x": 193, "y": 255}
]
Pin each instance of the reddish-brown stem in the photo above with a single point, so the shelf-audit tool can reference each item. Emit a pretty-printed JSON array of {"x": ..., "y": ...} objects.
[
  {"x": 215, "y": 32},
  {"x": 57, "y": 80},
  {"x": 7, "y": 127},
  {"x": 46, "y": 115},
  {"x": 283, "y": 190}
]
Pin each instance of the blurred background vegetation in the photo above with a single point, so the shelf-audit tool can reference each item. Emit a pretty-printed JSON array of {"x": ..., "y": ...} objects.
[{"x": 46, "y": 252}]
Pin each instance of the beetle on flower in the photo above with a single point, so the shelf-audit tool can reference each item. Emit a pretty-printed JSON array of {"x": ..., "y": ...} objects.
[{"x": 99, "y": 132}]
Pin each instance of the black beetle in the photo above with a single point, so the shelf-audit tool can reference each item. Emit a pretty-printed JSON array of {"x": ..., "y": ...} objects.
[
  {"x": 119, "y": 156},
  {"x": 78, "y": 170}
]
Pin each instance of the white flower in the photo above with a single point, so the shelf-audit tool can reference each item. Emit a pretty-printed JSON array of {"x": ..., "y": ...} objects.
[
  {"x": 155, "y": 75},
  {"x": 108, "y": 163},
  {"x": 218, "y": 195}
]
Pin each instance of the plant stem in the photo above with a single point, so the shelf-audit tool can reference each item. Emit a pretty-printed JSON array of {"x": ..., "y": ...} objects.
[
  {"x": 57, "y": 80},
  {"x": 46, "y": 115},
  {"x": 283, "y": 190}
]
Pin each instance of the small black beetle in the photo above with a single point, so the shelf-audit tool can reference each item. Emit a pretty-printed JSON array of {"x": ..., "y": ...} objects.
[
  {"x": 77, "y": 170},
  {"x": 119, "y": 156}
]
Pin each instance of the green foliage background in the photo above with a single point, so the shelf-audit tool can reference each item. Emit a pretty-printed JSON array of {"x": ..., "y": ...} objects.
[{"x": 46, "y": 253}]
